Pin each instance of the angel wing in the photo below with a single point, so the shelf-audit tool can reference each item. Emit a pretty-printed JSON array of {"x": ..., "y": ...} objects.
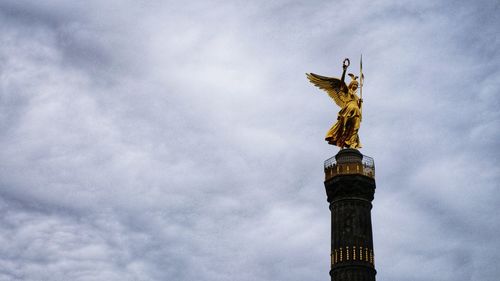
[{"x": 335, "y": 88}]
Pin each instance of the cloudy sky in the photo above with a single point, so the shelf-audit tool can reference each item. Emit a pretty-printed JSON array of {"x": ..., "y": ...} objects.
[{"x": 169, "y": 140}]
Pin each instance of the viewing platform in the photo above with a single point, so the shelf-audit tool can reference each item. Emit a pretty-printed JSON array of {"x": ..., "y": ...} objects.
[{"x": 348, "y": 162}]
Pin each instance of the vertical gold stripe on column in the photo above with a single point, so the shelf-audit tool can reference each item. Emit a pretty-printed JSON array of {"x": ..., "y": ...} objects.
[
  {"x": 354, "y": 252},
  {"x": 347, "y": 253},
  {"x": 366, "y": 255},
  {"x": 340, "y": 253},
  {"x": 360, "y": 253}
]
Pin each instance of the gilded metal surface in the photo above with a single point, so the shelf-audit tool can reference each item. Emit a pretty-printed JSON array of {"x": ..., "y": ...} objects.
[
  {"x": 365, "y": 255},
  {"x": 349, "y": 169},
  {"x": 344, "y": 133}
]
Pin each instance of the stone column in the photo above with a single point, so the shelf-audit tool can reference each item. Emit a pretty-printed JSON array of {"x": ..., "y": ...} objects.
[{"x": 350, "y": 186}]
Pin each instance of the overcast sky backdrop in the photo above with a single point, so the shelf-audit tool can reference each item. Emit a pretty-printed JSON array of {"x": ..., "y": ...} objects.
[{"x": 180, "y": 140}]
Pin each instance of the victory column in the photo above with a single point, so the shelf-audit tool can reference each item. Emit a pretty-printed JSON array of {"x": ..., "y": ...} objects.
[{"x": 349, "y": 182}]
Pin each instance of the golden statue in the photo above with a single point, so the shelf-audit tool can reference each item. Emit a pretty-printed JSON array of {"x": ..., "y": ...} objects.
[{"x": 344, "y": 133}]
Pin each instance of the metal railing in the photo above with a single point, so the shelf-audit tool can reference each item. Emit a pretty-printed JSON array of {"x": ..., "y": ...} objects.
[{"x": 348, "y": 166}]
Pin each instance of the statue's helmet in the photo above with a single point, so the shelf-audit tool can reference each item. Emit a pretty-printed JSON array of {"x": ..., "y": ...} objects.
[{"x": 353, "y": 81}]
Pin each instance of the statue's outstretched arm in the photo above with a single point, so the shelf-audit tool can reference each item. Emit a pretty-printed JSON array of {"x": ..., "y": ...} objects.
[{"x": 345, "y": 64}]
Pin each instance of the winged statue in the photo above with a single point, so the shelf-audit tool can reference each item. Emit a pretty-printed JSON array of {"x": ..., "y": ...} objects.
[{"x": 344, "y": 133}]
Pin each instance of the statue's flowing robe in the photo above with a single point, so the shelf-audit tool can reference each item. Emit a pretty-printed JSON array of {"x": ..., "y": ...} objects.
[{"x": 344, "y": 133}]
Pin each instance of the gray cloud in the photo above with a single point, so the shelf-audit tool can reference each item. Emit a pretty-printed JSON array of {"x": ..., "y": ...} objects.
[{"x": 161, "y": 141}]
